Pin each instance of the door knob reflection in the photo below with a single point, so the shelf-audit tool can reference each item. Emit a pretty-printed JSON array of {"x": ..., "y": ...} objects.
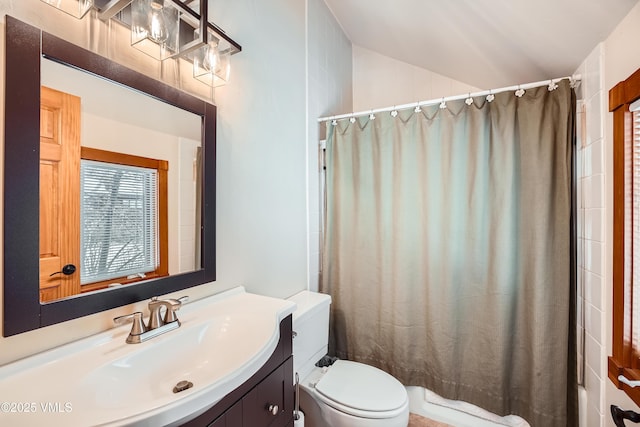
[{"x": 67, "y": 270}]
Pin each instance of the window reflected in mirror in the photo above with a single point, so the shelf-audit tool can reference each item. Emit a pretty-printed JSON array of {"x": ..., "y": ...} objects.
[{"x": 123, "y": 219}]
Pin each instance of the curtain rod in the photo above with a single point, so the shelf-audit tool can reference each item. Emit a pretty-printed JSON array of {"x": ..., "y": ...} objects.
[{"x": 573, "y": 79}]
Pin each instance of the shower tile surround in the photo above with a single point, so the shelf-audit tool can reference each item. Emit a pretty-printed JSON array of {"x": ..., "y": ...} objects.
[{"x": 592, "y": 247}]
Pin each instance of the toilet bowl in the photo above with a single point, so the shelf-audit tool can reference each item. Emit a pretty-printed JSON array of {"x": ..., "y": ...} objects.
[{"x": 345, "y": 394}]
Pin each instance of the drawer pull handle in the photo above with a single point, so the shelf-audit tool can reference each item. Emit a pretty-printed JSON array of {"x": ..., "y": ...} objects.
[{"x": 273, "y": 409}]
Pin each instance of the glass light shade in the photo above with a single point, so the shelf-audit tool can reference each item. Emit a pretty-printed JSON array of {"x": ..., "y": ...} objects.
[
  {"x": 211, "y": 64},
  {"x": 154, "y": 27},
  {"x": 76, "y": 8}
]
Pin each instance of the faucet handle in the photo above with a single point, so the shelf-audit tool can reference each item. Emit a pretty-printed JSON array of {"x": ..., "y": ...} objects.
[
  {"x": 174, "y": 305},
  {"x": 138, "y": 327}
]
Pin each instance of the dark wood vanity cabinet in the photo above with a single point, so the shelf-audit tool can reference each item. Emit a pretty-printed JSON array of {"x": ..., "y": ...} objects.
[{"x": 265, "y": 400}]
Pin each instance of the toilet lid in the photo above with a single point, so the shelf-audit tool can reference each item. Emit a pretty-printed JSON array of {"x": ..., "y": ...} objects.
[{"x": 361, "y": 387}]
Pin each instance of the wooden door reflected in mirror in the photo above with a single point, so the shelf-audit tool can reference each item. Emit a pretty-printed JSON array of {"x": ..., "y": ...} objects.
[{"x": 59, "y": 194}]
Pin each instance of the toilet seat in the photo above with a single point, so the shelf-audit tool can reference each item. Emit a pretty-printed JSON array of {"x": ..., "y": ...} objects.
[{"x": 361, "y": 390}]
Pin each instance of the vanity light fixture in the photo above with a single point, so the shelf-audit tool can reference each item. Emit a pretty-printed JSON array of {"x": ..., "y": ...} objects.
[
  {"x": 209, "y": 50},
  {"x": 76, "y": 8},
  {"x": 154, "y": 27},
  {"x": 168, "y": 29},
  {"x": 211, "y": 63}
]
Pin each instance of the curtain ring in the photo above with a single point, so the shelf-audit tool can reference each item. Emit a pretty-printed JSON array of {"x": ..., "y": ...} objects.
[
  {"x": 490, "y": 97},
  {"x": 469, "y": 100}
]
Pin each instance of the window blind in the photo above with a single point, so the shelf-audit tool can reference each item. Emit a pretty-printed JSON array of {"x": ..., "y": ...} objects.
[
  {"x": 635, "y": 227},
  {"x": 119, "y": 217}
]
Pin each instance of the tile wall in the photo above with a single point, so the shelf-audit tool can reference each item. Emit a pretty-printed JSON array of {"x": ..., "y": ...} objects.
[{"x": 592, "y": 242}]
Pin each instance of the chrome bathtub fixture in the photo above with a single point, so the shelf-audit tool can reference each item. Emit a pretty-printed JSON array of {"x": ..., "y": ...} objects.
[{"x": 157, "y": 324}]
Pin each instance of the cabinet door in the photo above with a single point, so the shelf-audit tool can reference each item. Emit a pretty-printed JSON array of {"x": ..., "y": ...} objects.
[
  {"x": 234, "y": 415},
  {"x": 221, "y": 421},
  {"x": 231, "y": 418},
  {"x": 269, "y": 403}
]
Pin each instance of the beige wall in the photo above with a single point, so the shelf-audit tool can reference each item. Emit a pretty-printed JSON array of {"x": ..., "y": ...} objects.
[
  {"x": 330, "y": 67},
  {"x": 262, "y": 222},
  {"x": 380, "y": 81}
]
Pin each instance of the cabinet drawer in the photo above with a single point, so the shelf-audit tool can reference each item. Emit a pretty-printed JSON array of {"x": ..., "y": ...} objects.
[{"x": 270, "y": 403}]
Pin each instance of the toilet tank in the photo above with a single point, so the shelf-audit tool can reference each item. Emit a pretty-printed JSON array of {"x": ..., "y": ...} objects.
[{"x": 311, "y": 330}]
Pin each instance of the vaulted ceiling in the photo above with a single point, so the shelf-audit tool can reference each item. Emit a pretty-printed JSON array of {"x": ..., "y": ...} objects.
[{"x": 484, "y": 43}]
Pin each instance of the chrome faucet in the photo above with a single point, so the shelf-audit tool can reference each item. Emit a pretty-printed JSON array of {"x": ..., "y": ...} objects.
[
  {"x": 157, "y": 324},
  {"x": 171, "y": 305}
]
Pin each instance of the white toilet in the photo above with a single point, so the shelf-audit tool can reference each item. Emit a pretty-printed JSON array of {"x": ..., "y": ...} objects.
[{"x": 345, "y": 394}]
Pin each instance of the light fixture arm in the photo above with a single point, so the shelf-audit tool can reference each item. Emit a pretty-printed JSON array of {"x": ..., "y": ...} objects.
[
  {"x": 112, "y": 8},
  {"x": 204, "y": 21}
]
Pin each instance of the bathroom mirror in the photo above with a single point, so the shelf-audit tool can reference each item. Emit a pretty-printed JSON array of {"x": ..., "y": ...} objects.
[{"x": 26, "y": 46}]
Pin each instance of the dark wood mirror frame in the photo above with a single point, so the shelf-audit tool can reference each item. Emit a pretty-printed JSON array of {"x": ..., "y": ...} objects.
[{"x": 22, "y": 310}]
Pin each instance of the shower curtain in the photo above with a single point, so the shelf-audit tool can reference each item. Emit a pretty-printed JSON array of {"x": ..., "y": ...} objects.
[{"x": 448, "y": 251}]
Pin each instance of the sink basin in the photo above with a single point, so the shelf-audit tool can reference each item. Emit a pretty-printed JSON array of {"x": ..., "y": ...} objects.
[{"x": 102, "y": 381}]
